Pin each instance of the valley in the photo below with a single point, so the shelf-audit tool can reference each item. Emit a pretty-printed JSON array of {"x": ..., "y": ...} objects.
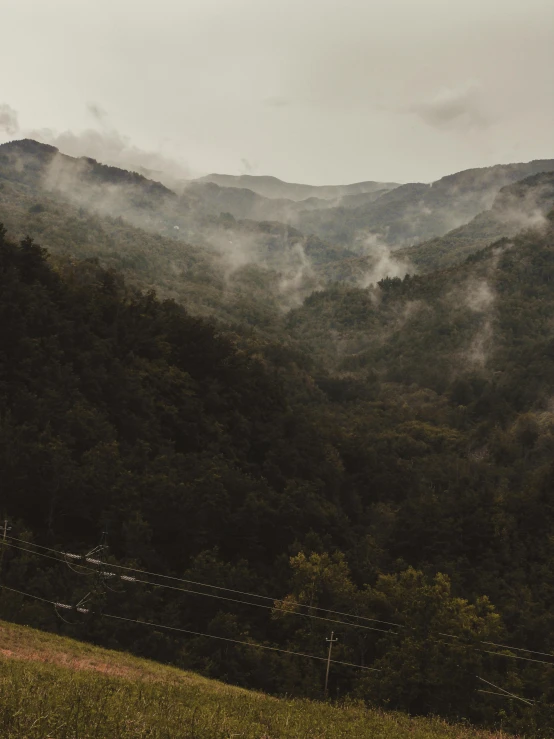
[{"x": 285, "y": 410}]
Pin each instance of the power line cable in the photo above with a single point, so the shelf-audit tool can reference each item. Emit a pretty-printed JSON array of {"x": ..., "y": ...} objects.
[
  {"x": 505, "y": 692},
  {"x": 211, "y": 595},
  {"x": 209, "y": 585},
  {"x": 516, "y": 656},
  {"x": 194, "y": 633},
  {"x": 262, "y": 605},
  {"x": 248, "y": 644},
  {"x": 518, "y": 649},
  {"x": 98, "y": 562}
]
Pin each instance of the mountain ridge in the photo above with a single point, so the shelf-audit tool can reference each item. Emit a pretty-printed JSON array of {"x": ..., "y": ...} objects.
[
  {"x": 417, "y": 212},
  {"x": 520, "y": 205},
  {"x": 273, "y": 187}
]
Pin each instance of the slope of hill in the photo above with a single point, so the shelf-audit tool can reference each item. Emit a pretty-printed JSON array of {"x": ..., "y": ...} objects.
[
  {"x": 243, "y": 464},
  {"x": 373, "y": 456},
  {"x": 236, "y": 269},
  {"x": 271, "y": 187},
  {"x": 445, "y": 310},
  {"x": 521, "y": 205},
  {"x": 417, "y": 212},
  {"x": 54, "y": 686},
  {"x": 131, "y": 195}
]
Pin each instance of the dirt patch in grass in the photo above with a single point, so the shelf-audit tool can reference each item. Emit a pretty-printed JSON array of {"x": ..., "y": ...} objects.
[
  {"x": 18, "y": 642},
  {"x": 75, "y": 663}
]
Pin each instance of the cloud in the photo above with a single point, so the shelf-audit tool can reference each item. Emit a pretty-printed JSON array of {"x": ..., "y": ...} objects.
[
  {"x": 104, "y": 143},
  {"x": 454, "y": 108},
  {"x": 98, "y": 113},
  {"x": 276, "y": 101},
  {"x": 479, "y": 296},
  {"x": 380, "y": 260},
  {"x": 109, "y": 146},
  {"x": 8, "y": 120},
  {"x": 247, "y": 167}
]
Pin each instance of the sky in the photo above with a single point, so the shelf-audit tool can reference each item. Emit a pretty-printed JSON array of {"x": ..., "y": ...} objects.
[{"x": 315, "y": 91}]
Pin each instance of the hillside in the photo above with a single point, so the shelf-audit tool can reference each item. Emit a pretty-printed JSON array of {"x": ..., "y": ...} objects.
[
  {"x": 374, "y": 460},
  {"x": 245, "y": 271},
  {"x": 301, "y": 472},
  {"x": 378, "y": 327},
  {"x": 44, "y": 678},
  {"x": 417, "y": 212},
  {"x": 521, "y": 205},
  {"x": 145, "y": 202}
]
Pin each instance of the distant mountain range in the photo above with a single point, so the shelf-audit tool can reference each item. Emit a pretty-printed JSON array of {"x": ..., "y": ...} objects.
[
  {"x": 274, "y": 224},
  {"x": 271, "y": 187}
]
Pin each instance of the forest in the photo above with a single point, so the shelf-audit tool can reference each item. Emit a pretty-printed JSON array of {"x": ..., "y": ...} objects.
[{"x": 376, "y": 461}]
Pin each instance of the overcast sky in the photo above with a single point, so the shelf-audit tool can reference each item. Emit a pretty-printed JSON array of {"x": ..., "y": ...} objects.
[{"x": 317, "y": 91}]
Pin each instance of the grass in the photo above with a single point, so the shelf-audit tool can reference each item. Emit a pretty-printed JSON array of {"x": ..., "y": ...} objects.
[{"x": 56, "y": 688}]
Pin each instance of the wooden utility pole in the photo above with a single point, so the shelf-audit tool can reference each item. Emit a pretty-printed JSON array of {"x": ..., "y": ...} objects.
[{"x": 331, "y": 642}]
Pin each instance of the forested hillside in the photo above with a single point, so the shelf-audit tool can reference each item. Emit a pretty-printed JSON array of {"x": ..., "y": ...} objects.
[
  {"x": 417, "y": 212},
  {"x": 275, "y": 452},
  {"x": 516, "y": 207},
  {"x": 411, "y": 487},
  {"x": 240, "y": 270}
]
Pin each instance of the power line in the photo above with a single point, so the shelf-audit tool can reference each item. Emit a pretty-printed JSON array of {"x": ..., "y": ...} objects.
[
  {"x": 504, "y": 692},
  {"x": 248, "y": 644},
  {"x": 515, "y": 656},
  {"x": 213, "y": 595},
  {"x": 504, "y": 646},
  {"x": 518, "y": 649},
  {"x": 97, "y": 562},
  {"x": 38, "y": 554},
  {"x": 195, "y": 633},
  {"x": 208, "y": 585},
  {"x": 28, "y": 595},
  {"x": 262, "y": 605}
]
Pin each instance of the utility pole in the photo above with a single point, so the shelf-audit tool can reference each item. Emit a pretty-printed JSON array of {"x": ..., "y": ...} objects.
[{"x": 331, "y": 642}]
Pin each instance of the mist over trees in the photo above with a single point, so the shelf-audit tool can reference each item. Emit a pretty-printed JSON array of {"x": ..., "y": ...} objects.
[{"x": 252, "y": 406}]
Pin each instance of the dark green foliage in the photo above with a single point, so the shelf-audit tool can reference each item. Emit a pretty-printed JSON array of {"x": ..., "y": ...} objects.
[{"x": 387, "y": 454}]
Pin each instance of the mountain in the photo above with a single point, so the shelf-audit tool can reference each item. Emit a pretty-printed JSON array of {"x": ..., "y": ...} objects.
[
  {"x": 271, "y": 187},
  {"x": 521, "y": 205},
  {"x": 272, "y": 456},
  {"x": 417, "y": 212},
  {"x": 180, "y": 245},
  {"x": 471, "y": 318}
]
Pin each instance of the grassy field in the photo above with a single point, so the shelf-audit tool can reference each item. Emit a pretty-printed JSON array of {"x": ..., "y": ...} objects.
[{"x": 56, "y": 688}]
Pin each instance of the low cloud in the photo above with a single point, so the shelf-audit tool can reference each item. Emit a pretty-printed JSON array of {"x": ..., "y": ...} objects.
[
  {"x": 8, "y": 120},
  {"x": 298, "y": 278},
  {"x": 247, "y": 166},
  {"x": 479, "y": 296},
  {"x": 454, "y": 108},
  {"x": 102, "y": 142},
  {"x": 381, "y": 263},
  {"x": 480, "y": 347}
]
